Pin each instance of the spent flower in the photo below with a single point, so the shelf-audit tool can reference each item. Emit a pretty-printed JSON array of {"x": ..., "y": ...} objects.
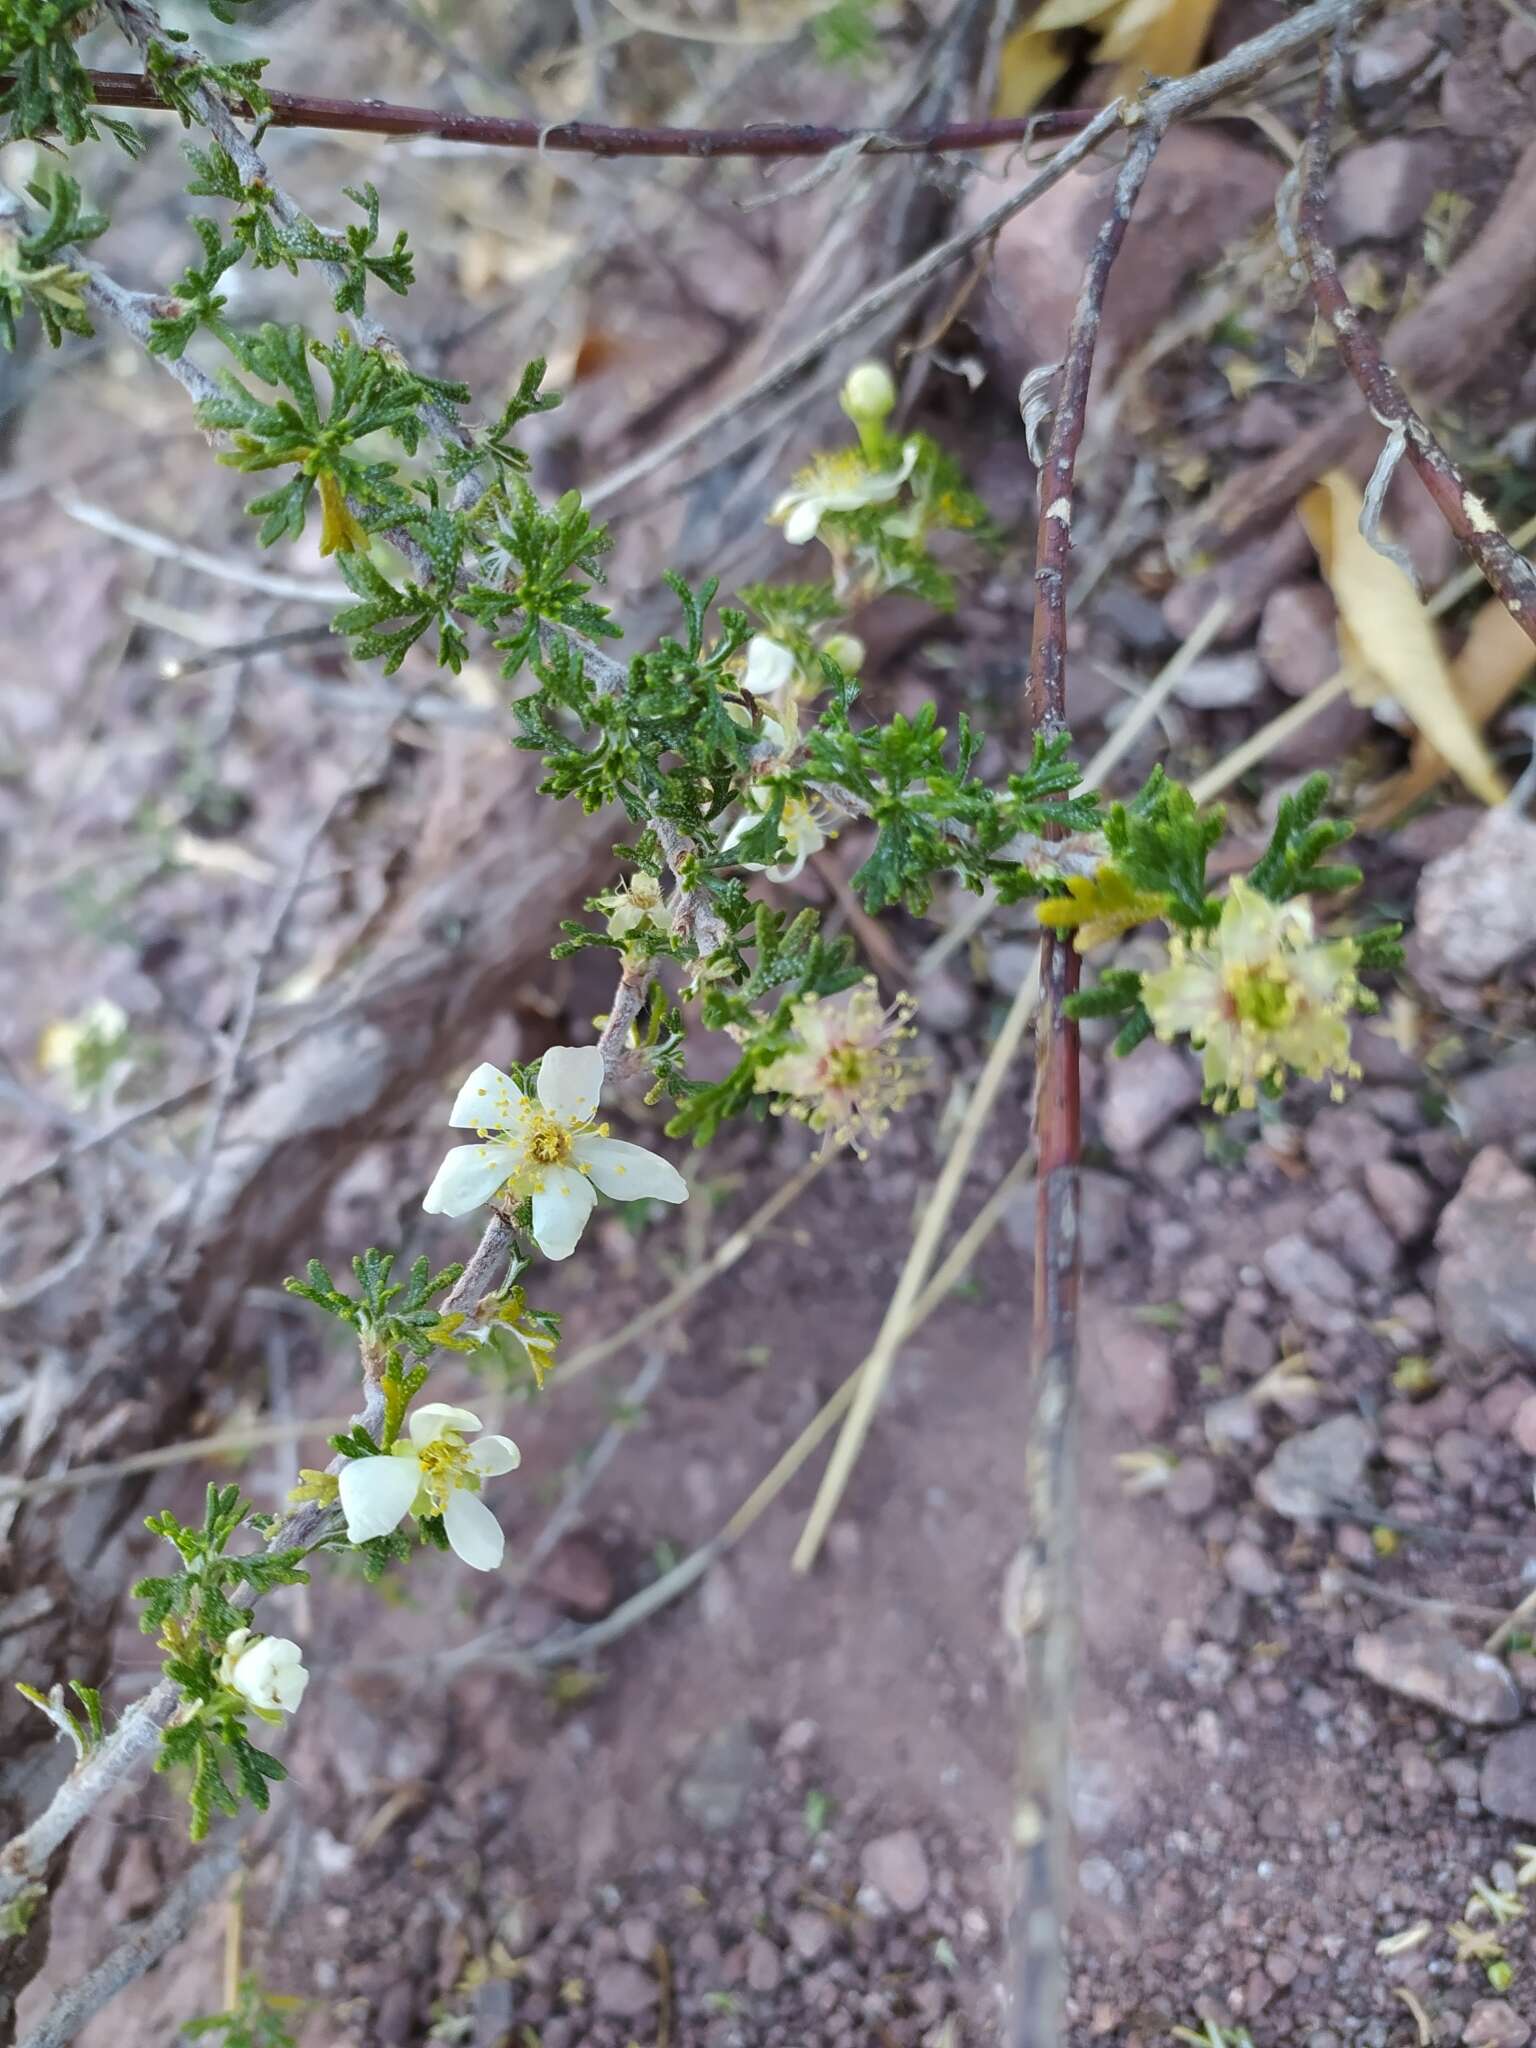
[
  {"x": 805, "y": 826},
  {"x": 844, "y": 1074},
  {"x": 840, "y": 482},
  {"x": 1261, "y": 995},
  {"x": 434, "y": 1470},
  {"x": 547, "y": 1148}
]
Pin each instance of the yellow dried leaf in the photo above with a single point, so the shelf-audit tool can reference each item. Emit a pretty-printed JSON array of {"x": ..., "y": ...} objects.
[
  {"x": 1099, "y": 907},
  {"x": 1068, "y": 14},
  {"x": 1162, "y": 38},
  {"x": 1494, "y": 661},
  {"x": 1385, "y": 631},
  {"x": 1029, "y": 66}
]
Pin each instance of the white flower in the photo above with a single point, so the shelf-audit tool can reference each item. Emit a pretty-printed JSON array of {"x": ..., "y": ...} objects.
[
  {"x": 770, "y": 666},
  {"x": 546, "y": 1147},
  {"x": 838, "y": 483},
  {"x": 802, "y": 832},
  {"x": 266, "y": 1670},
  {"x": 436, "y": 1473},
  {"x": 638, "y": 902}
]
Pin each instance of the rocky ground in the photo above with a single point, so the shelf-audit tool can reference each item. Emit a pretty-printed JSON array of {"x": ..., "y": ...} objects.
[{"x": 776, "y": 1812}]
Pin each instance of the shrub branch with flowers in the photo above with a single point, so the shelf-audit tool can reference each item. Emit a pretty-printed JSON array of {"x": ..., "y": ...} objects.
[{"x": 735, "y": 746}]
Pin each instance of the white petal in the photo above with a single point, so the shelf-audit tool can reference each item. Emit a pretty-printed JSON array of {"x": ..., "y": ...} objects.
[
  {"x": 494, "y": 1454},
  {"x": 628, "y": 1172},
  {"x": 486, "y": 1102},
  {"x": 433, "y": 1417},
  {"x": 802, "y": 523},
  {"x": 473, "y": 1531},
  {"x": 571, "y": 1082},
  {"x": 560, "y": 1211},
  {"x": 770, "y": 665},
  {"x": 468, "y": 1177},
  {"x": 376, "y": 1495}
]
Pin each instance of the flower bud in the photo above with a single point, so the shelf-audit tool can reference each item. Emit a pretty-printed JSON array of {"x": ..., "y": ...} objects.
[
  {"x": 847, "y": 650},
  {"x": 266, "y": 1670},
  {"x": 869, "y": 394}
]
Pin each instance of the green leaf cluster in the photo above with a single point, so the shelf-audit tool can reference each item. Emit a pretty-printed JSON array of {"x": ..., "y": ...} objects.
[
  {"x": 50, "y": 92},
  {"x": 258, "y": 2019},
  {"x": 35, "y": 268}
]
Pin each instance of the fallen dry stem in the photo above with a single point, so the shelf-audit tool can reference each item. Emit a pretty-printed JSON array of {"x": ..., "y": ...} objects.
[{"x": 1509, "y": 574}]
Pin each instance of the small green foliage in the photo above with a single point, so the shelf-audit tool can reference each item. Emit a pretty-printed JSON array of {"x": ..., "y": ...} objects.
[
  {"x": 199, "y": 303},
  {"x": 845, "y": 33},
  {"x": 181, "y": 80},
  {"x": 194, "y": 1612},
  {"x": 35, "y": 268},
  {"x": 1289, "y": 865},
  {"x": 18, "y": 1913},
  {"x": 368, "y": 396},
  {"x": 50, "y": 92},
  {"x": 258, "y": 2019},
  {"x": 1160, "y": 842},
  {"x": 392, "y": 1317},
  {"x": 84, "y": 1736}
]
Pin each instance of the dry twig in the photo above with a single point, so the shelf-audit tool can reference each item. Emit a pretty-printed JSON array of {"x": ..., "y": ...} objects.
[{"x": 1509, "y": 573}]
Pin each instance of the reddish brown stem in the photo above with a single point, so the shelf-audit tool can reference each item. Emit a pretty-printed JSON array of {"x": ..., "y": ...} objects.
[
  {"x": 1050, "y": 1637},
  {"x": 592, "y": 138},
  {"x": 1509, "y": 573}
]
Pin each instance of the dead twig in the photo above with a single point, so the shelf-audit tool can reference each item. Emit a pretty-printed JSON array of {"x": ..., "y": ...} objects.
[
  {"x": 139, "y": 1950},
  {"x": 595, "y": 138},
  {"x": 1509, "y": 573}
]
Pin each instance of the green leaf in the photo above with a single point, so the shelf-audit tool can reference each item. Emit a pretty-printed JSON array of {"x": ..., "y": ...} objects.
[{"x": 1290, "y": 864}]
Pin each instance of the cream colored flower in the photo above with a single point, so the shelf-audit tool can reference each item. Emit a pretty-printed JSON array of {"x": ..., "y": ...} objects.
[
  {"x": 844, "y": 1075},
  {"x": 268, "y": 1671},
  {"x": 1261, "y": 995},
  {"x": 804, "y": 828},
  {"x": 546, "y": 1146},
  {"x": 843, "y": 482},
  {"x": 435, "y": 1473},
  {"x": 637, "y": 903},
  {"x": 770, "y": 666}
]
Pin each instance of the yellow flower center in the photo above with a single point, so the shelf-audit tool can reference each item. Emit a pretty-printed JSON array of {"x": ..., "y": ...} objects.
[
  {"x": 1266, "y": 997},
  {"x": 847, "y": 1066},
  {"x": 548, "y": 1142},
  {"x": 444, "y": 1465}
]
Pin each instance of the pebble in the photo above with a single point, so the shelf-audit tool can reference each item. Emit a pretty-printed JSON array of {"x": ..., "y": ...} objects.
[
  {"x": 1220, "y": 682},
  {"x": 713, "y": 1790},
  {"x": 1348, "y": 1222},
  {"x": 1497, "y": 1105},
  {"x": 1517, "y": 45},
  {"x": 1144, "y": 1094},
  {"x": 1250, "y": 1568},
  {"x": 1136, "y": 1367},
  {"x": 637, "y": 1937},
  {"x": 1420, "y": 1662},
  {"x": 765, "y": 1967},
  {"x": 1317, "y": 1287},
  {"x": 577, "y": 1577},
  {"x": 1404, "y": 1200},
  {"x": 1524, "y": 1427},
  {"x": 1396, "y": 51},
  {"x": 809, "y": 1934},
  {"x": 1493, "y": 2023},
  {"x": 1485, "y": 1292},
  {"x": 623, "y": 1990},
  {"x": 897, "y": 1866},
  {"x": 1191, "y": 1488},
  {"x": 1380, "y": 190},
  {"x": 1317, "y": 1469},
  {"x": 1475, "y": 911},
  {"x": 1507, "y": 1783}
]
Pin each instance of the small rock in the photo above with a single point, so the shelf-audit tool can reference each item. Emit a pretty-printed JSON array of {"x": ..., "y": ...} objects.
[
  {"x": 1348, "y": 1223},
  {"x": 1136, "y": 1368},
  {"x": 1458, "y": 1454},
  {"x": 809, "y": 1934},
  {"x": 623, "y": 1991},
  {"x": 637, "y": 1937},
  {"x": 1298, "y": 637},
  {"x": 1486, "y": 1288},
  {"x": 949, "y": 1002},
  {"x": 1423, "y": 1663},
  {"x": 897, "y": 1867},
  {"x": 1249, "y": 1568},
  {"x": 1524, "y": 1429},
  {"x": 1392, "y": 54},
  {"x": 1497, "y": 1105},
  {"x": 1493, "y": 2023},
  {"x": 1218, "y": 682},
  {"x": 713, "y": 1790},
  {"x": 1233, "y": 1420},
  {"x": 577, "y": 1577},
  {"x": 1191, "y": 1488},
  {"x": 1317, "y": 1287},
  {"x": 1318, "y": 1469},
  {"x": 765, "y": 1967},
  {"x": 1517, "y": 45},
  {"x": 1143, "y": 1095},
  {"x": 1380, "y": 190},
  {"x": 1507, "y": 1784},
  {"x": 1475, "y": 911},
  {"x": 1247, "y": 1345},
  {"x": 1404, "y": 1201}
]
